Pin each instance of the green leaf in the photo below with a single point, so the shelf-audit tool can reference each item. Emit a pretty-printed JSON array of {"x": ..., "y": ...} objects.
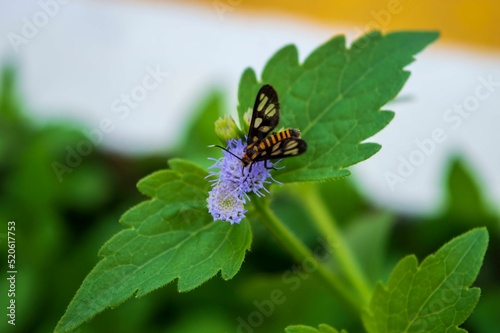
[
  {"x": 465, "y": 207},
  {"x": 485, "y": 317},
  {"x": 432, "y": 297},
  {"x": 323, "y": 328},
  {"x": 171, "y": 236},
  {"x": 10, "y": 106},
  {"x": 334, "y": 98},
  {"x": 466, "y": 202},
  {"x": 15, "y": 127}
]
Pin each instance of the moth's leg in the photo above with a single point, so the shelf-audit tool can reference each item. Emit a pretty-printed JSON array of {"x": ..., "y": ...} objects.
[
  {"x": 267, "y": 167},
  {"x": 243, "y": 167}
]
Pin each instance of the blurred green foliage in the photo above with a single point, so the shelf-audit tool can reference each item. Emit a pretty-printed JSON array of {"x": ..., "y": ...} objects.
[{"x": 60, "y": 226}]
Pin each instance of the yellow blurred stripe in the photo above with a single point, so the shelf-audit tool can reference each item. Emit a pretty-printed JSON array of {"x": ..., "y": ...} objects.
[{"x": 465, "y": 21}]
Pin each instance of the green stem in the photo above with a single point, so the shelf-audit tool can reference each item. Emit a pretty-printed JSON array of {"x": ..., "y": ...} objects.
[
  {"x": 327, "y": 225},
  {"x": 302, "y": 254}
]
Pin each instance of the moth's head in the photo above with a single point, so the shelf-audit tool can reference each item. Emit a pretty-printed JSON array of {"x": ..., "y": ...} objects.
[
  {"x": 294, "y": 133},
  {"x": 245, "y": 160}
]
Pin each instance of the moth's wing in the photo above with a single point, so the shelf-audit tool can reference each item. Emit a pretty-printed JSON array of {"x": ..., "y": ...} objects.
[{"x": 265, "y": 116}]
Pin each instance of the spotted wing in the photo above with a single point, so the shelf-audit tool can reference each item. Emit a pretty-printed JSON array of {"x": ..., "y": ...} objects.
[
  {"x": 288, "y": 147},
  {"x": 265, "y": 116}
]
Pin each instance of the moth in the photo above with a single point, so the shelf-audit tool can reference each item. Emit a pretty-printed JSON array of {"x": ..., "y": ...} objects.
[
  {"x": 265, "y": 118},
  {"x": 263, "y": 146}
]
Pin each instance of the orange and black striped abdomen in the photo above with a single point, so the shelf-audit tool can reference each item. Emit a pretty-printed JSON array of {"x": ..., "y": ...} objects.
[
  {"x": 277, "y": 145},
  {"x": 274, "y": 139},
  {"x": 277, "y": 137}
]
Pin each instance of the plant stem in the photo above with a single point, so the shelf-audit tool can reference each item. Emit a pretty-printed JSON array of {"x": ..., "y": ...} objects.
[
  {"x": 327, "y": 225},
  {"x": 302, "y": 254}
]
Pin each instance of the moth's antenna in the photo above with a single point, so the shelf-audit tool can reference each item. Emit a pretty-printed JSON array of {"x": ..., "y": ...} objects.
[{"x": 213, "y": 146}]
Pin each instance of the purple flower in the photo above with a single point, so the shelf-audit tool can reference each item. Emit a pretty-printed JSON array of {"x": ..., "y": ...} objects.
[
  {"x": 233, "y": 182},
  {"x": 225, "y": 203}
]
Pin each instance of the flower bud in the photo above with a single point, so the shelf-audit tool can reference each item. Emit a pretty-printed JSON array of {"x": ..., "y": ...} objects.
[{"x": 226, "y": 128}]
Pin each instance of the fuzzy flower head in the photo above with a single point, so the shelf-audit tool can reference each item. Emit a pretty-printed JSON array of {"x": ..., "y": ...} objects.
[
  {"x": 237, "y": 180},
  {"x": 224, "y": 203}
]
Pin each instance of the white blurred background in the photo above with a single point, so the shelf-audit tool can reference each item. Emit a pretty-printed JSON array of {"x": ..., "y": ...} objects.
[{"x": 145, "y": 67}]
